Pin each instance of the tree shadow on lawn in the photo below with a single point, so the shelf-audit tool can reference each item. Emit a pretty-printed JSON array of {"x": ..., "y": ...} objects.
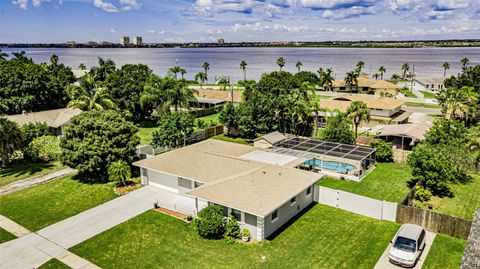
[
  {"x": 23, "y": 169},
  {"x": 290, "y": 222},
  {"x": 84, "y": 179}
]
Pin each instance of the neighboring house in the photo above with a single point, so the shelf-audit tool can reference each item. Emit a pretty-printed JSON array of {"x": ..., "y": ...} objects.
[
  {"x": 262, "y": 190},
  {"x": 268, "y": 140},
  {"x": 367, "y": 85},
  {"x": 430, "y": 84},
  {"x": 55, "y": 119},
  {"x": 404, "y": 136},
  {"x": 381, "y": 108},
  {"x": 210, "y": 98}
]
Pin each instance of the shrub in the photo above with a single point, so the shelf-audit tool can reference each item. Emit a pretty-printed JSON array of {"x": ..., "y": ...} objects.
[
  {"x": 210, "y": 222},
  {"x": 384, "y": 152},
  {"x": 231, "y": 228},
  {"x": 119, "y": 172},
  {"x": 230, "y": 240},
  {"x": 422, "y": 194},
  {"x": 45, "y": 148},
  {"x": 245, "y": 232},
  {"x": 201, "y": 124}
]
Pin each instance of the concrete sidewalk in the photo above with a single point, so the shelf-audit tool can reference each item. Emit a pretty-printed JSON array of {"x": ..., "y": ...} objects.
[
  {"x": 35, "y": 249},
  {"x": 384, "y": 263}
]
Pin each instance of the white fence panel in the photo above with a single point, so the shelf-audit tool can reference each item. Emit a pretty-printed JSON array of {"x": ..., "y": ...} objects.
[
  {"x": 328, "y": 196},
  {"x": 389, "y": 211},
  {"x": 360, "y": 204}
]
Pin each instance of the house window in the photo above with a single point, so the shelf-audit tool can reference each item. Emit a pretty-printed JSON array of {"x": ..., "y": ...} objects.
[
  {"x": 293, "y": 201},
  {"x": 237, "y": 214},
  {"x": 274, "y": 215},
  {"x": 185, "y": 183},
  {"x": 309, "y": 190}
]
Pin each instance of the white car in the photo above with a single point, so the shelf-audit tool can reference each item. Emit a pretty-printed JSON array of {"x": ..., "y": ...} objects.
[{"x": 407, "y": 245}]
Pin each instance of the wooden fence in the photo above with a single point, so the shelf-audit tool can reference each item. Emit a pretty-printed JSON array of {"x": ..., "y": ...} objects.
[
  {"x": 205, "y": 134},
  {"x": 433, "y": 221}
]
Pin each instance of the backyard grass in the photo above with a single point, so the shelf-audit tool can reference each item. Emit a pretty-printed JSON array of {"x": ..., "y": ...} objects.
[
  {"x": 386, "y": 182},
  {"x": 6, "y": 236},
  {"x": 323, "y": 237},
  {"x": 407, "y": 93},
  {"x": 210, "y": 120},
  {"x": 21, "y": 171},
  {"x": 429, "y": 95},
  {"x": 145, "y": 132},
  {"x": 238, "y": 140},
  {"x": 43, "y": 205},
  {"x": 424, "y": 105},
  {"x": 54, "y": 264},
  {"x": 446, "y": 253}
]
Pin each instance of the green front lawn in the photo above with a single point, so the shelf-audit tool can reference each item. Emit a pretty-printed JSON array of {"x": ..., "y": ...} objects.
[
  {"x": 6, "y": 236},
  {"x": 40, "y": 206},
  {"x": 16, "y": 172},
  {"x": 446, "y": 253},
  {"x": 429, "y": 95},
  {"x": 424, "y": 105},
  {"x": 238, "y": 140},
  {"x": 54, "y": 264},
  {"x": 407, "y": 93},
  {"x": 324, "y": 237},
  {"x": 388, "y": 181}
]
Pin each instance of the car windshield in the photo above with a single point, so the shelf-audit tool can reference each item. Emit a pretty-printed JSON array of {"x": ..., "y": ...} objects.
[{"x": 405, "y": 244}]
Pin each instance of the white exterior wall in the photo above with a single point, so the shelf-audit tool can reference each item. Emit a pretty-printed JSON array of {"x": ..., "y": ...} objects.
[
  {"x": 286, "y": 212},
  {"x": 164, "y": 181}
]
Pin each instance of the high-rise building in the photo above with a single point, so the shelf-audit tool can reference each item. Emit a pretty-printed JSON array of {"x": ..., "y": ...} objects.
[
  {"x": 221, "y": 41},
  {"x": 125, "y": 41},
  {"x": 137, "y": 41}
]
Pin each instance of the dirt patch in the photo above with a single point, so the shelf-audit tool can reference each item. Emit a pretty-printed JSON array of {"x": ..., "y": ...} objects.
[{"x": 122, "y": 190}]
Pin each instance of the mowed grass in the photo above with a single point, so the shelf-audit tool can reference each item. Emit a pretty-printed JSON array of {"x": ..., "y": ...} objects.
[
  {"x": 429, "y": 95},
  {"x": 465, "y": 200},
  {"x": 54, "y": 264},
  {"x": 16, "y": 172},
  {"x": 446, "y": 253},
  {"x": 145, "y": 132},
  {"x": 238, "y": 140},
  {"x": 388, "y": 181},
  {"x": 424, "y": 105},
  {"x": 323, "y": 237},
  {"x": 6, "y": 236},
  {"x": 210, "y": 120},
  {"x": 43, "y": 205}
]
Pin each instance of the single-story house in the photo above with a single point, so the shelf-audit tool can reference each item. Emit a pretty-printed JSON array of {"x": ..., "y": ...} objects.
[
  {"x": 210, "y": 98},
  {"x": 268, "y": 140},
  {"x": 366, "y": 84},
  {"x": 381, "y": 108},
  {"x": 430, "y": 84},
  {"x": 403, "y": 136},
  {"x": 262, "y": 190},
  {"x": 55, "y": 119}
]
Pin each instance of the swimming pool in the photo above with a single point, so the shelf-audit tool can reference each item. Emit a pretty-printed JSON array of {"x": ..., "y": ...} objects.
[{"x": 331, "y": 166}]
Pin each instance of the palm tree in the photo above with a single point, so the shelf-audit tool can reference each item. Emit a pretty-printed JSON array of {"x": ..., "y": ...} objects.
[
  {"x": 465, "y": 61},
  {"x": 281, "y": 62},
  {"x": 3, "y": 55},
  {"x": 54, "y": 59},
  {"x": 175, "y": 70},
  {"x": 358, "y": 112},
  {"x": 179, "y": 95},
  {"x": 351, "y": 79},
  {"x": 360, "y": 66},
  {"x": 202, "y": 77},
  {"x": 298, "y": 65},
  {"x": 206, "y": 67},
  {"x": 405, "y": 69},
  {"x": 119, "y": 172},
  {"x": 445, "y": 66},
  {"x": 382, "y": 71},
  {"x": 326, "y": 78},
  {"x": 10, "y": 139},
  {"x": 375, "y": 76},
  {"x": 20, "y": 55},
  {"x": 243, "y": 66},
  {"x": 183, "y": 72},
  {"x": 82, "y": 66},
  {"x": 104, "y": 68},
  {"x": 458, "y": 103},
  {"x": 88, "y": 96}
]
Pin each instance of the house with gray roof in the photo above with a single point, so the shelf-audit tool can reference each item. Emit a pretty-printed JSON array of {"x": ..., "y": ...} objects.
[{"x": 429, "y": 84}]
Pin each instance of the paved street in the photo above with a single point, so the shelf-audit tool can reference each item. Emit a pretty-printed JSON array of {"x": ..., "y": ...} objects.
[{"x": 34, "y": 249}]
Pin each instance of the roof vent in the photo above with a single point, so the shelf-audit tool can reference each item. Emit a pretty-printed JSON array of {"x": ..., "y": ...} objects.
[{"x": 264, "y": 172}]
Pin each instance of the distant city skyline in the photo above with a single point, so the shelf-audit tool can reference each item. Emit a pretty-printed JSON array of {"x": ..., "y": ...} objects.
[{"x": 59, "y": 21}]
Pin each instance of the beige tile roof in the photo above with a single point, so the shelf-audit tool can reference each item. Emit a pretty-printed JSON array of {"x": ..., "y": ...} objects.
[
  {"x": 342, "y": 102},
  {"x": 53, "y": 118},
  {"x": 253, "y": 187},
  {"x": 220, "y": 95},
  {"x": 365, "y": 81},
  {"x": 273, "y": 137},
  {"x": 413, "y": 130}
]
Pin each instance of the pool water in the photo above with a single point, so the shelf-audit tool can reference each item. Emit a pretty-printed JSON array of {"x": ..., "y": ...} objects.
[{"x": 331, "y": 166}]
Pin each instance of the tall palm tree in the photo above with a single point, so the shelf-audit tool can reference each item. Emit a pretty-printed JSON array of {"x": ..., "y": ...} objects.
[
  {"x": 281, "y": 62},
  {"x": 298, "y": 65},
  {"x": 206, "y": 67},
  {"x": 465, "y": 61},
  {"x": 10, "y": 139},
  {"x": 3, "y": 55},
  {"x": 405, "y": 69},
  {"x": 179, "y": 95},
  {"x": 375, "y": 76},
  {"x": 351, "y": 79},
  {"x": 243, "y": 66},
  {"x": 382, "y": 71},
  {"x": 326, "y": 78},
  {"x": 445, "y": 66},
  {"x": 88, "y": 96},
  {"x": 358, "y": 112},
  {"x": 360, "y": 65},
  {"x": 458, "y": 103},
  {"x": 175, "y": 70},
  {"x": 202, "y": 77},
  {"x": 104, "y": 68},
  {"x": 183, "y": 72}
]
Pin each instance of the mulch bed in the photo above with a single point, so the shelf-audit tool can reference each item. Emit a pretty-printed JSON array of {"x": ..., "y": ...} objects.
[
  {"x": 172, "y": 213},
  {"x": 126, "y": 189}
]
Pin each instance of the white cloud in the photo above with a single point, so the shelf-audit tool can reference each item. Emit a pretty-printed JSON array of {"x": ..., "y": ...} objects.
[
  {"x": 106, "y": 6},
  {"x": 113, "y": 30},
  {"x": 156, "y": 32},
  {"x": 130, "y": 4},
  {"x": 125, "y": 5},
  {"x": 23, "y": 4}
]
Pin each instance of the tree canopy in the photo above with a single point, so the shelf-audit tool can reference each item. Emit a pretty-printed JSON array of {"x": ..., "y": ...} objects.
[
  {"x": 173, "y": 130},
  {"x": 10, "y": 139},
  {"x": 339, "y": 129}
]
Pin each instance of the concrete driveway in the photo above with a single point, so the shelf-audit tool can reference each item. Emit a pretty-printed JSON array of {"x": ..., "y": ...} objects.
[
  {"x": 383, "y": 262},
  {"x": 35, "y": 249}
]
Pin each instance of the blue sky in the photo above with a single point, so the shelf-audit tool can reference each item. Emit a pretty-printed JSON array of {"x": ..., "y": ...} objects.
[{"x": 235, "y": 20}]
